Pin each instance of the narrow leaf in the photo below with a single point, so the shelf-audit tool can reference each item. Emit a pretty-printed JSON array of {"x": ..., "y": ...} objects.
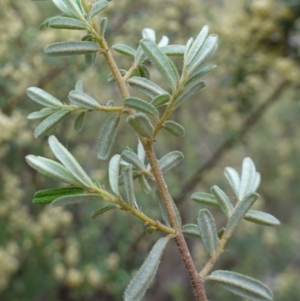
[
  {"x": 144, "y": 277},
  {"x": 107, "y": 137},
  {"x": 79, "y": 86},
  {"x": 47, "y": 196},
  {"x": 42, "y": 97},
  {"x": 191, "y": 230},
  {"x": 261, "y": 218},
  {"x": 160, "y": 100},
  {"x": 145, "y": 184},
  {"x": 141, "y": 124},
  {"x": 76, "y": 199},
  {"x": 146, "y": 86},
  {"x": 79, "y": 121},
  {"x": 173, "y": 50},
  {"x": 124, "y": 49},
  {"x": 233, "y": 178},
  {"x": 102, "y": 26},
  {"x": 128, "y": 185},
  {"x": 67, "y": 159},
  {"x": 133, "y": 159},
  {"x": 103, "y": 210},
  {"x": 97, "y": 8},
  {"x": 43, "y": 113},
  {"x": 67, "y": 23},
  {"x": 223, "y": 200},
  {"x": 255, "y": 183},
  {"x": 71, "y": 48},
  {"x": 188, "y": 46},
  {"x": 240, "y": 210},
  {"x": 208, "y": 231},
  {"x": 241, "y": 285},
  {"x": 205, "y": 199},
  {"x": 160, "y": 62},
  {"x": 198, "y": 74},
  {"x": 83, "y": 100},
  {"x": 247, "y": 177},
  {"x": 140, "y": 105},
  {"x": 174, "y": 128},
  {"x": 141, "y": 152},
  {"x": 113, "y": 173},
  {"x": 170, "y": 160},
  {"x": 46, "y": 126}
]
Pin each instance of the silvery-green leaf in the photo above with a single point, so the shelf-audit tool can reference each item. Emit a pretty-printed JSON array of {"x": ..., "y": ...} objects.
[
  {"x": 241, "y": 285},
  {"x": 124, "y": 49},
  {"x": 79, "y": 86},
  {"x": 170, "y": 160},
  {"x": 200, "y": 73},
  {"x": 160, "y": 62},
  {"x": 47, "y": 196},
  {"x": 42, "y": 97},
  {"x": 107, "y": 137},
  {"x": 102, "y": 210},
  {"x": 140, "y": 56},
  {"x": 208, "y": 231},
  {"x": 175, "y": 70},
  {"x": 102, "y": 26},
  {"x": 67, "y": 23},
  {"x": 261, "y": 218},
  {"x": 133, "y": 159},
  {"x": 141, "y": 151},
  {"x": 144, "y": 72},
  {"x": 75, "y": 7},
  {"x": 160, "y": 100},
  {"x": 83, "y": 100},
  {"x": 196, "y": 46},
  {"x": 51, "y": 169},
  {"x": 205, "y": 199},
  {"x": 141, "y": 124},
  {"x": 256, "y": 182},
  {"x": 67, "y": 159},
  {"x": 63, "y": 7},
  {"x": 173, "y": 50},
  {"x": 191, "y": 230},
  {"x": 188, "y": 47},
  {"x": 140, "y": 105},
  {"x": 206, "y": 51},
  {"x": 76, "y": 199},
  {"x": 71, "y": 48},
  {"x": 240, "y": 210},
  {"x": 43, "y": 113},
  {"x": 146, "y": 86},
  {"x": 145, "y": 184},
  {"x": 79, "y": 121},
  {"x": 145, "y": 275},
  {"x": 113, "y": 173},
  {"x": 97, "y": 8},
  {"x": 233, "y": 178},
  {"x": 174, "y": 128},
  {"x": 46, "y": 126},
  {"x": 247, "y": 177},
  {"x": 128, "y": 185},
  {"x": 223, "y": 200}
]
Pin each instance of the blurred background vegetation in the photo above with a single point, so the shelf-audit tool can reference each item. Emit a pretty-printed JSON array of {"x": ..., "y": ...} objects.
[{"x": 250, "y": 107}]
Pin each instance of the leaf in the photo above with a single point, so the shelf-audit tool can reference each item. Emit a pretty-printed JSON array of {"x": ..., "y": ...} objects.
[
  {"x": 255, "y": 183},
  {"x": 141, "y": 152},
  {"x": 247, "y": 177},
  {"x": 222, "y": 200},
  {"x": 71, "y": 48},
  {"x": 173, "y": 50},
  {"x": 208, "y": 231},
  {"x": 160, "y": 100},
  {"x": 67, "y": 23},
  {"x": 46, "y": 126},
  {"x": 174, "y": 128},
  {"x": 113, "y": 173},
  {"x": 97, "y": 8},
  {"x": 140, "y": 56},
  {"x": 144, "y": 277},
  {"x": 141, "y": 124},
  {"x": 133, "y": 159},
  {"x": 83, "y": 100},
  {"x": 90, "y": 59},
  {"x": 76, "y": 199},
  {"x": 79, "y": 86},
  {"x": 42, "y": 97},
  {"x": 170, "y": 160},
  {"x": 79, "y": 121},
  {"x": 67, "y": 159},
  {"x": 102, "y": 210},
  {"x": 187, "y": 48},
  {"x": 47, "y": 196},
  {"x": 128, "y": 185},
  {"x": 102, "y": 26},
  {"x": 124, "y": 49},
  {"x": 240, "y": 210},
  {"x": 196, "y": 46},
  {"x": 51, "y": 169},
  {"x": 194, "y": 77},
  {"x": 233, "y": 178},
  {"x": 146, "y": 86},
  {"x": 75, "y": 7},
  {"x": 43, "y": 113},
  {"x": 111, "y": 78},
  {"x": 205, "y": 199},
  {"x": 261, "y": 218},
  {"x": 160, "y": 62},
  {"x": 191, "y": 230},
  {"x": 107, "y": 137},
  {"x": 140, "y": 105},
  {"x": 144, "y": 184},
  {"x": 144, "y": 72},
  {"x": 241, "y": 285}
]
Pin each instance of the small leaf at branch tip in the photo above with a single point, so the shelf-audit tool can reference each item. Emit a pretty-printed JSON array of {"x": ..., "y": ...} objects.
[
  {"x": 113, "y": 173},
  {"x": 76, "y": 199}
]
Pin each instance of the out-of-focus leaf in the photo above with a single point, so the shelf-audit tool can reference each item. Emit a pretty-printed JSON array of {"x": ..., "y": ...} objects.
[
  {"x": 140, "y": 105},
  {"x": 102, "y": 210},
  {"x": 170, "y": 160},
  {"x": 97, "y": 8},
  {"x": 144, "y": 72},
  {"x": 79, "y": 86},
  {"x": 174, "y": 128},
  {"x": 187, "y": 48},
  {"x": 173, "y": 50},
  {"x": 67, "y": 23},
  {"x": 113, "y": 173},
  {"x": 222, "y": 200},
  {"x": 141, "y": 124},
  {"x": 76, "y": 199},
  {"x": 205, "y": 199},
  {"x": 124, "y": 49},
  {"x": 42, "y": 97},
  {"x": 79, "y": 121},
  {"x": 102, "y": 26},
  {"x": 261, "y": 218},
  {"x": 83, "y": 100}
]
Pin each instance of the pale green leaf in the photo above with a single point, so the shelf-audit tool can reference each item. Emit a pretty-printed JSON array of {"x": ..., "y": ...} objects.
[
  {"x": 113, "y": 173},
  {"x": 43, "y": 113},
  {"x": 173, "y": 50},
  {"x": 222, "y": 200},
  {"x": 83, "y": 100},
  {"x": 205, "y": 199},
  {"x": 67, "y": 23},
  {"x": 79, "y": 86},
  {"x": 145, "y": 184},
  {"x": 124, "y": 49},
  {"x": 170, "y": 160},
  {"x": 133, "y": 159},
  {"x": 79, "y": 121},
  {"x": 141, "y": 152},
  {"x": 194, "y": 77},
  {"x": 102, "y": 26},
  {"x": 174, "y": 128},
  {"x": 102, "y": 210},
  {"x": 261, "y": 218},
  {"x": 76, "y": 199},
  {"x": 128, "y": 185},
  {"x": 140, "y": 105},
  {"x": 141, "y": 124},
  {"x": 42, "y": 97},
  {"x": 191, "y": 230},
  {"x": 233, "y": 178},
  {"x": 247, "y": 177},
  {"x": 97, "y": 8},
  {"x": 160, "y": 100}
]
